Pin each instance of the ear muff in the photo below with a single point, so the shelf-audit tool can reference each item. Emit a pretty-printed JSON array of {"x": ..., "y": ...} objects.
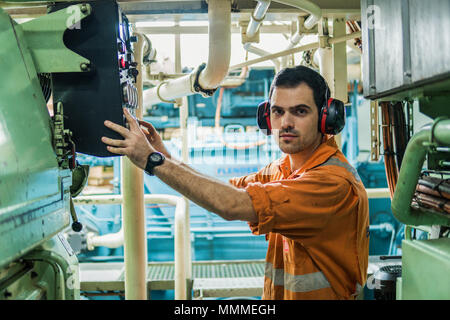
[
  {"x": 263, "y": 118},
  {"x": 332, "y": 117}
]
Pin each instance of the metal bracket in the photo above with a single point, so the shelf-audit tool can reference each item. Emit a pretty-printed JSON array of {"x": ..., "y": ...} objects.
[
  {"x": 44, "y": 37},
  {"x": 244, "y": 38},
  {"x": 301, "y": 27}
]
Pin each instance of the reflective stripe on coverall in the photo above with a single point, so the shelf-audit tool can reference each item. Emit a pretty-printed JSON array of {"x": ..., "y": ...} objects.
[{"x": 316, "y": 220}]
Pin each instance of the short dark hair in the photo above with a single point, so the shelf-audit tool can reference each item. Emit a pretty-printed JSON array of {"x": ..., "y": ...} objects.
[{"x": 293, "y": 77}]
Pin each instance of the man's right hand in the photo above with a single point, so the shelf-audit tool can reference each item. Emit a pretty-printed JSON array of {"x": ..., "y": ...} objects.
[{"x": 154, "y": 138}]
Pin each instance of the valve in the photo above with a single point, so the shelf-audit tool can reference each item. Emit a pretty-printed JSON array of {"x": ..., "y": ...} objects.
[{"x": 76, "y": 225}]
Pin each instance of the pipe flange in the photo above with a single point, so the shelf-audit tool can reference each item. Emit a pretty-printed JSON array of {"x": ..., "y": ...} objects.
[
  {"x": 196, "y": 86},
  {"x": 436, "y": 121},
  {"x": 256, "y": 19},
  {"x": 159, "y": 96}
]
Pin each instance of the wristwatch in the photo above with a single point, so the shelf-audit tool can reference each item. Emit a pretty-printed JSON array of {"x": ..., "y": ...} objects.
[{"x": 153, "y": 160}]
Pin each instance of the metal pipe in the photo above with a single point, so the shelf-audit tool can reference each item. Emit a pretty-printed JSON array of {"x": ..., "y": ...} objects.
[
  {"x": 412, "y": 163},
  {"x": 326, "y": 67},
  {"x": 378, "y": 193},
  {"x": 60, "y": 267},
  {"x": 260, "y": 52},
  {"x": 183, "y": 242},
  {"x": 259, "y": 14},
  {"x": 372, "y": 193},
  {"x": 257, "y": 17},
  {"x": 219, "y": 16},
  {"x": 308, "y": 6},
  {"x": 310, "y": 22},
  {"x": 183, "y": 270},
  {"x": 293, "y": 41},
  {"x": 133, "y": 211},
  {"x": 306, "y": 47}
]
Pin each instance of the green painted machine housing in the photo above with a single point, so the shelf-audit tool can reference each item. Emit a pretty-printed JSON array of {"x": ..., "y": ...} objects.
[
  {"x": 34, "y": 190},
  {"x": 426, "y": 270}
]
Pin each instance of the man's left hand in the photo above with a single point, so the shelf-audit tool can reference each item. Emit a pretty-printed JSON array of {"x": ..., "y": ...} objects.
[{"x": 135, "y": 145}]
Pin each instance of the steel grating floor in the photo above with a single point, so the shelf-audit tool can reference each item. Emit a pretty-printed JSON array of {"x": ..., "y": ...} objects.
[{"x": 210, "y": 278}]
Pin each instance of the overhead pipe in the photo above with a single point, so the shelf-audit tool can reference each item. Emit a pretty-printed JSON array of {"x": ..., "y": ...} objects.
[
  {"x": 305, "y": 47},
  {"x": 325, "y": 56},
  {"x": 430, "y": 135},
  {"x": 257, "y": 17},
  {"x": 260, "y": 52},
  {"x": 205, "y": 79},
  {"x": 314, "y": 17},
  {"x": 259, "y": 14},
  {"x": 295, "y": 39},
  {"x": 182, "y": 234}
]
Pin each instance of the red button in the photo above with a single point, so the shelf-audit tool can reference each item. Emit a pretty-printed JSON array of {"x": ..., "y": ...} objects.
[{"x": 122, "y": 62}]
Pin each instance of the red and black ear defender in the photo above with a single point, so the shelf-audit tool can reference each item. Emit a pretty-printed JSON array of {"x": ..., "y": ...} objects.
[
  {"x": 263, "y": 118},
  {"x": 331, "y": 116}
]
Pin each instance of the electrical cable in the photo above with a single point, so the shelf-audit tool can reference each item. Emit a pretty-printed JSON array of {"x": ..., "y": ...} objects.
[
  {"x": 400, "y": 132},
  {"x": 389, "y": 160}
]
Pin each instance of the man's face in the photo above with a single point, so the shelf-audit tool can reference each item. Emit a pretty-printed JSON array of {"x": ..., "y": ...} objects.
[{"x": 294, "y": 119}]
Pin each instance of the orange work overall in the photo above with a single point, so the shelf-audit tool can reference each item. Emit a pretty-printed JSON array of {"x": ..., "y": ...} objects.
[{"x": 316, "y": 220}]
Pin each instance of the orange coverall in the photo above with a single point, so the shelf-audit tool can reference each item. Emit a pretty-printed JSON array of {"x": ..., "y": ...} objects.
[{"x": 316, "y": 220}]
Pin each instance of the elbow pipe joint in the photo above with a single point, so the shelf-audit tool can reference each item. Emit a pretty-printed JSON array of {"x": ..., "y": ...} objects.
[{"x": 410, "y": 170}]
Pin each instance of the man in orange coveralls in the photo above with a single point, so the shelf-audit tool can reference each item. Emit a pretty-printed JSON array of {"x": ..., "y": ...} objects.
[{"x": 310, "y": 204}]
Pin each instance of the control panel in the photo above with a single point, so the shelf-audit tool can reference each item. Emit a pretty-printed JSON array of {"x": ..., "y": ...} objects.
[
  {"x": 127, "y": 65},
  {"x": 107, "y": 85}
]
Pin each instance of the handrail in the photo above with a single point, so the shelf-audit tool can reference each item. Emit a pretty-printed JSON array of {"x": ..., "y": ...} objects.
[{"x": 182, "y": 234}]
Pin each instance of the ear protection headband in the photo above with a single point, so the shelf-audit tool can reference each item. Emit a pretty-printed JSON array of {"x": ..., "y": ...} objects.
[{"x": 331, "y": 116}]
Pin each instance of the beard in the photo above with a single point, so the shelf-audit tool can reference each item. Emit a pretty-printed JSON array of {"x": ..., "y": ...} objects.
[
  {"x": 292, "y": 146},
  {"x": 289, "y": 146}
]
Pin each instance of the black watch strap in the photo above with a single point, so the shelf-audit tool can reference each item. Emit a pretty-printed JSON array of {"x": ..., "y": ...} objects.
[{"x": 154, "y": 159}]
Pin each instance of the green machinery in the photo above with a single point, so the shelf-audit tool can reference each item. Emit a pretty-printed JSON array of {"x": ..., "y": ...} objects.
[
  {"x": 36, "y": 262},
  {"x": 407, "y": 59}
]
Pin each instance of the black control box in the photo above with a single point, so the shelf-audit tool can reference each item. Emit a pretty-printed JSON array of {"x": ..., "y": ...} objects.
[{"x": 89, "y": 98}]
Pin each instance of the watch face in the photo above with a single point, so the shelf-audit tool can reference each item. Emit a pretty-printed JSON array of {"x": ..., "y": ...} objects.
[{"x": 155, "y": 157}]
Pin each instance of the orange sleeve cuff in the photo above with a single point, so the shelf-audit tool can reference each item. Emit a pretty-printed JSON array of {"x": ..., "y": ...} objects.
[
  {"x": 234, "y": 182},
  {"x": 262, "y": 206}
]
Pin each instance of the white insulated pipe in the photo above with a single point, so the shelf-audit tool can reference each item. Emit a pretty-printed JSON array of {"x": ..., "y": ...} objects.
[
  {"x": 260, "y": 52},
  {"x": 325, "y": 57},
  {"x": 133, "y": 209},
  {"x": 308, "y": 6},
  {"x": 219, "y": 16},
  {"x": 257, "y": 17},
  {"x": 314, "y": 17},
  {"x": 110, "y": 240},
  {"x": 305, "y": 47},
  {"x": 182, "y": 273},
  {"x": 259, "y": 14}
]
